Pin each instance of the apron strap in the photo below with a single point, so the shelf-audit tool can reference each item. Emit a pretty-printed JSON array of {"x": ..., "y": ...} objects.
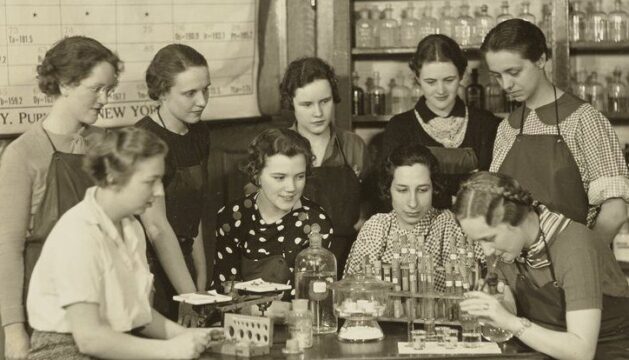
[
  {"x": 556, "y": 114},
  {"x": 49, "y": 139},
  {"x": 338, "y": 143}
]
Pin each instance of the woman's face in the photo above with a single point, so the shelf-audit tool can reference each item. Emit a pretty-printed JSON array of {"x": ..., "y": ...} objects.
[
  {"x": 188, "y": 96},
  {"x": 282, "y": 181},
  {"x": 85, "y": 100},
  {"x": 411, "y": 194},
  {"x": 314, "y": 107},
  {"x": 519, "y": 77},
  {"x": 439, "y": 82},
  {"x": 144, "y": 185},
  {"x": 503, "y": 240}
]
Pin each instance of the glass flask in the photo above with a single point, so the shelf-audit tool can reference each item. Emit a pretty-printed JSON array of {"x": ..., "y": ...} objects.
[
  {"x": 581, "y": 88},
  {"x": 596, "y": 92},
  {"x": 504, "y": 13},
  {"x": 617, "y": 23},
  {"x": 489, "y": 332},
  {"x": 315, "y": 271},
  {"x": 389, "y": 29},
  {"x": 464, "y": 27},
  {"x": 484, "y": 23},
  {"x": 447, "y": 22},
  {"x": 409, "y": 28},
  {"x": 578, "y": 22},
  {"x": 428, "y": 24},
  {"x": 400, "y": 96},
  {"x": 494, "y": 96},
  {"x": 474, "y": 92},
  {"x": 358, "y": 96},
  {"x": 365, "y": 36},
  {"x": 597, "y": 23},
  {"x": 617, "y": 93},
  {"x": 526, "y": 13},
  {"x": 377, "y": 97}
]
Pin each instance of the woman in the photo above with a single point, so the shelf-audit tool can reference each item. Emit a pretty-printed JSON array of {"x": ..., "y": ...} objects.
[
  {"x": 178, "y": 78},
  {"x": 91, "y": 285},
  {"x": 407, "y": 182},
  {"x": 560, "y": 148},
  {"x": 569, "y": 291},
  {"x": 461, "y": 137},
  {"x": 310, "y": 89},
  {"x": 40, "y": 172},
  {"x": 260, "y": 234}
]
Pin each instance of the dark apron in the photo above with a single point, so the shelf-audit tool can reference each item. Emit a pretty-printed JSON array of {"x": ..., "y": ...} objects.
[
  {"x": 546, "y": 306},
  {"x": 337, "y": 190},
  {"x": 66, "y": 183},
  {"x": 184, "y": 206},
  {"x": 455, "y": 166},
  {"x": 544, "y": 165}
]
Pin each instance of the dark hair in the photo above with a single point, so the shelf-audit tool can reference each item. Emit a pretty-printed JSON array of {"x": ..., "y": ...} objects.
[
  {"x": 406, "y": 155},
  {"x": 496, "y": 197},
  {"x": 71, "y": 60},
  {"x": 276, "y": 141},
  {"x": 302, "y": 72},
  {"x": 166, "y": 64},
  {"x": 116, "y": 151},
  {"x": 438, "y": 48},
  {"x": 519, "y": 36}
]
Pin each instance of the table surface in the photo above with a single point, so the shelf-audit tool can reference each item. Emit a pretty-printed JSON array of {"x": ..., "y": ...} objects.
[{"x": 329, "y": 347}]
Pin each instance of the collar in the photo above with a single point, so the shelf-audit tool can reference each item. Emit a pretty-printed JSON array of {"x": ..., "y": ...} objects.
[
  {"x": 550, "y": 224},
  {"x": 566, "y": 105},
  {"x": 426, "y": 114}
]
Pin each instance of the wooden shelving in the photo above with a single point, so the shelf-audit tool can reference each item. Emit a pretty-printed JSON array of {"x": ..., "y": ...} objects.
[{"x": 607, "y": 47}]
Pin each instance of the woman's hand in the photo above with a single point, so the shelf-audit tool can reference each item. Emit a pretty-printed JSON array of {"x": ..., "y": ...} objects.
[
  {"x": 488, "y": 309},
  {"x": 192, "y": 343}
]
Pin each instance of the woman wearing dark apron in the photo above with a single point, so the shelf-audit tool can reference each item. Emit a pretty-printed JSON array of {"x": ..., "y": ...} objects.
[
  {"x": 309, "y": 88},
  {"x": 566, "y": 296},
  {"x": 40, "y": 172},
  {"x": 178, "y": 78},
  {"x": 560, "y": 148},
  {"x": 460, "y": 136}
]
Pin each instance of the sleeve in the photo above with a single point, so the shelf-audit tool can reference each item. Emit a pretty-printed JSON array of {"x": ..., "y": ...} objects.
[
  {"x": 502, "y": 144},
  {"x": 227, "y": 257},
  {"x": 444, "y": 233},
  {"x": 605, "y": 163},
  {"x": 15, "y": 191},
  {"x": 579, "y": 273},
  {"x": 370, "y": 241},
  {"x": 76, "y": 265}
]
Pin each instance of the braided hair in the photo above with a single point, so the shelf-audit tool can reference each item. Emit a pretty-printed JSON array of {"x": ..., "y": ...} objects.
[{"x": 496, "y": 197}]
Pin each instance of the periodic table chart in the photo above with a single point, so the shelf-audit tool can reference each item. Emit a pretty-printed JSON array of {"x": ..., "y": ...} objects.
[{"x": 223, "y": 31}]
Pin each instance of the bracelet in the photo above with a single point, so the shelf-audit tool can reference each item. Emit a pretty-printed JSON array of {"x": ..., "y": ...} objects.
[{"x": 525, "y": 325}]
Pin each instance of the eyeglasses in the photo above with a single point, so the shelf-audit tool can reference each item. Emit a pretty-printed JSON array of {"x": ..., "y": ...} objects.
[{"x": 102, "y": 90}]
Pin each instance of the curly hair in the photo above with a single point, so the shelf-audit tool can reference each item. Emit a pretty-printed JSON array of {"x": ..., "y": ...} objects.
[
  {"x": 438, "y": 48},
  {"x": 496, "y": 197},
  {"x": 302, "y": 72},
  {"x": 519, "y": 36},
  {"x": 71, "y": 60},
  {"x": 276, "y": 141},
  {"x": 407, "y": 155},
  {"x": 170, "y": 61},
  {"x": 115, "y": 152}
]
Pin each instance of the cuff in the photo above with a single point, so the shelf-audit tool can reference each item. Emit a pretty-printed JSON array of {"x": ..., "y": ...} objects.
[
  {"x": 608, "y": 187},
  {"x": 13, "y": 314}
]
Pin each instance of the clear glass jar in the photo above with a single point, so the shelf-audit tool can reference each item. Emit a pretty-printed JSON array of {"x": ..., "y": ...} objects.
[
  {"x": 504, "y": 13},
  {"x": 315, "y": 271},
  {"x": 617, "y": 23},
  {"x": 484, "y": 23},
  {"x": 465, "y": 26},
  {"x": 526, "y": 13},
  {"x": 597, "y": 23},
  {"x": 447, "y": 22},
  {"x": 581, "y": 87},
  {"x": 617, "y": 98},
  {"x": 596, "y": 92},
  {"x": 428, "y": 24},
  {"x": 375, "y": 24},
  {"x": 578, "y": 22},
  {"x": 299, "y": 321},
  {"x": 389, "y": 29},
  {"x": 400, "y": 96},
  {"x": 409, "y": 27},
  {"x": 365, "y": 37}
]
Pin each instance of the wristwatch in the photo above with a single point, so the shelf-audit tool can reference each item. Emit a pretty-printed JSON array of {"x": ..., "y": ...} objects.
[{"x": 526, "y": 323}]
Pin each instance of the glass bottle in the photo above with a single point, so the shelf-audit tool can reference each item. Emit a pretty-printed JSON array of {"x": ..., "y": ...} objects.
[
  {"x": 400, "y": 96},
  {"x": 409, "y": 28},
  {"x": 375, "y": 25},
  {"x": 494, "y": 96},
  {"x": 484, "y": 23},
  {"x": 447, "y": 22},
  {"x": 617, "y": 23},
  {"x": 464, "y": 27},
  {"x": 597, "y": 23},
  {"x": 428, "y": 24},
  {"x": 504, "y": 13},
  {"x": 377, "y": 97},
  {"x": 596, "y": 92},
  {"x": 578, "y": 23},
  {"x": 299, "y": 322},
  {"x": 526, "y": 14},
  {"x": 617, "y": 98},
  {"x": 358, "y": 96},
  {"x": 489, "y": 332},
  {"x": 365, "y": 37},
  {"x": 547, "y": 22},
  {"x": 474, "y": 92},
  {"x": 315, "y": 270},
  {"x": 367, "y": 99},
  {"x": 389, "y": 29}
]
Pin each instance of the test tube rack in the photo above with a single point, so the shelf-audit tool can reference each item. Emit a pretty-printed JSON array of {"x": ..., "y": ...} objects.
[
  {"x": 420, "y": 299},
  {"x": 246, "y": 336}
]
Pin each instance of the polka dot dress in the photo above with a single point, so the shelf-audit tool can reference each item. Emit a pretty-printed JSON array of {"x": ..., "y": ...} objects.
[{"x": 241, "y": 231}]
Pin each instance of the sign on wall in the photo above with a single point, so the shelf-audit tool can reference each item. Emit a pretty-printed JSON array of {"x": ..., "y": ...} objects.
[{"x": 224, "y": 31}]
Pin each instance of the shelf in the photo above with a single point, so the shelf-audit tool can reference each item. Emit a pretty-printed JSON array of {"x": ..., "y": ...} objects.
[
  {"x": 598, "y": 47},
  {"x": 399, "y": 51},
  {"x": 617, "y": 117}
]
